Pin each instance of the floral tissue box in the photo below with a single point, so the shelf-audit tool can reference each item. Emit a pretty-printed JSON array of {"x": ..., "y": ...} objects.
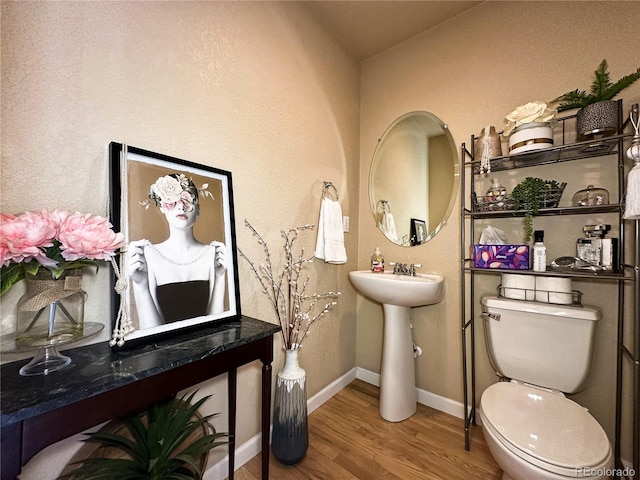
[{"x": 502, "y": 257}]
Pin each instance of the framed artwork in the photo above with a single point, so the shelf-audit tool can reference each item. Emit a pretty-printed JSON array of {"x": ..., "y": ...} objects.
[
  {"x": 418, "y": 231},
  {"x": 180, "y": 262}
]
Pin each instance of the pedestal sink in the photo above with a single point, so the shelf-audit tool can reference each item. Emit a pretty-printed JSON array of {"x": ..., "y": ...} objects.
[{"x": 398, "y": 294}]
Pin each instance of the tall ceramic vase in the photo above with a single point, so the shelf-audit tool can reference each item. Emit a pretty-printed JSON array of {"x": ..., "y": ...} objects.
[{"x": 290, "y": 437}]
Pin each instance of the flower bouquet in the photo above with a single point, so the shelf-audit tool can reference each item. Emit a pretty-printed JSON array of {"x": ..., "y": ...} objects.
[
  {"x": 49, "y": 250},
  {"x": 57, "y": 241}
]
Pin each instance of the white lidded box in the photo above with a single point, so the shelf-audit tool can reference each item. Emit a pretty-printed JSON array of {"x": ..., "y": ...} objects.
[{"x": 530, "y": 136}]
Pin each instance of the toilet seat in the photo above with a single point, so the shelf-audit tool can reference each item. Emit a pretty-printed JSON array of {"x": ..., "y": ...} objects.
[{"x": 544, "y": 428}]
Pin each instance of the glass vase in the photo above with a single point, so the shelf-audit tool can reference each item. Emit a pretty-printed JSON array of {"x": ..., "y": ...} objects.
[
  {"x": 290, "y": 437},
  {"x": 51, "y": 312}
]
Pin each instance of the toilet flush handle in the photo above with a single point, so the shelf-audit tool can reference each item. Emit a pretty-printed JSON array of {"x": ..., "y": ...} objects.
[{"x": 491, "y": 316}]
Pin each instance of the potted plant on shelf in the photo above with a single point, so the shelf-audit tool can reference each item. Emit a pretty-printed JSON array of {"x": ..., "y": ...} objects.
[
  {"x": 168, "y": 441},
  {"x": 598, "y": 114},
  {"x": 531, "y": 195}
]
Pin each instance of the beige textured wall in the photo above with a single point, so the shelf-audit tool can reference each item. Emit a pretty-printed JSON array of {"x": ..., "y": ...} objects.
[
  {"x": 471, "y": 72},
  {"x": 261, "y": 89},
  {"x": 257, "y": 88}
]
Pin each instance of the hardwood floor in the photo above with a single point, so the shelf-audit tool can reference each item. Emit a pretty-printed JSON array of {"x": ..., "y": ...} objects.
[{"x": 349, "y": 440}]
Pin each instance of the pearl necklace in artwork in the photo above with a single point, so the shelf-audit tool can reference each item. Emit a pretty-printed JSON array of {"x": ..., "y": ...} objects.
[{"x": 174, "y": 262}]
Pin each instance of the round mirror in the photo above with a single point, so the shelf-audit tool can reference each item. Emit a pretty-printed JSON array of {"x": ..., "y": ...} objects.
[{"x": 414, "y": 179}]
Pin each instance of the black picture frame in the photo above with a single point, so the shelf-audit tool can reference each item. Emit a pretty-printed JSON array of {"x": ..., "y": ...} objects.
[
  {"x": 418, "y": 231},
  {"x": 194, "y": 295}
]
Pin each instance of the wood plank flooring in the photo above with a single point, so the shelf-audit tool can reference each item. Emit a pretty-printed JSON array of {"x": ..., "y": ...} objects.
[{"x": 348, "y": 440}]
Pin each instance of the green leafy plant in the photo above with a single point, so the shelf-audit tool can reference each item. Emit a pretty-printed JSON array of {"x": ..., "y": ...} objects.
[
  {"x": 529, "y": 195},
  {"x": 601, "y": 89},
  {"x": 157, "y": 447}
]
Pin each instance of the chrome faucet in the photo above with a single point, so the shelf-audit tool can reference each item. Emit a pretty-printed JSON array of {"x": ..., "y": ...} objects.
[
  {"x": 403, "y": 269},
  {"x": 400, "y": 269}
]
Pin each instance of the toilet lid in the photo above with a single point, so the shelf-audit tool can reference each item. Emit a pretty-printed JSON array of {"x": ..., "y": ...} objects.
[{"x": 545, "y": 426}]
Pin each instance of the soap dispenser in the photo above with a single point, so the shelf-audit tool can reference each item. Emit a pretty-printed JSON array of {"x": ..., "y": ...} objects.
[{"x": 377, "y": 261}]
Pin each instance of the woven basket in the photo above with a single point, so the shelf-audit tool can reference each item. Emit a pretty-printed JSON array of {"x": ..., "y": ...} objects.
[
  {"x": 550, "y": 199},
  {"x": 490, "y": 204}
]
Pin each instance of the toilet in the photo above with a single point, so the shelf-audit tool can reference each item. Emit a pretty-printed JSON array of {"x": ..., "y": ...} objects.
[{"x": 533, "y": 431}]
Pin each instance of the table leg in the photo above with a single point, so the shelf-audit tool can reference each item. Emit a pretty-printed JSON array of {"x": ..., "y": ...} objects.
[
  {"x": 11, "y": 451},
  {"x": 231, "y": 390},
  {"x": 266, "y": 418}
]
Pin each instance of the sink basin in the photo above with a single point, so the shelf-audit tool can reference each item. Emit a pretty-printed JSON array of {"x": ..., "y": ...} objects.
[
  {"x": 401, "y": 290},
  {"x": 398, "y": 293}
]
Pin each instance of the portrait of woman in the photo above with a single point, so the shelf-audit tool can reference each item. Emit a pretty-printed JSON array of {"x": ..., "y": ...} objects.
[
  {"x": 179, "y": 277},
  {"x": 179, "y": 266}
]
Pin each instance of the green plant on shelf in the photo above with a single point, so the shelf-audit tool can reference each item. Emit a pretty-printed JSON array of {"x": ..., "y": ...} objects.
[
  {"x": 530, "y": 195},
  {"x": 601, "y": 89}
]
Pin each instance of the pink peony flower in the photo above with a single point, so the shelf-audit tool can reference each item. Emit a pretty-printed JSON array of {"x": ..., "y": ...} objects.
[
  {"x": 23, "y": 237},
  {"x": 5, "y": 258},
  {"x": 56, "y": 240},
  {"x": 86, "y": 236},
  {"x": 57, "y": 217}
]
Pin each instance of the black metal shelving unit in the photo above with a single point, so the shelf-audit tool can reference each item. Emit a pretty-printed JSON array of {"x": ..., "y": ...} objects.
[{"x": 628, "y": 349}]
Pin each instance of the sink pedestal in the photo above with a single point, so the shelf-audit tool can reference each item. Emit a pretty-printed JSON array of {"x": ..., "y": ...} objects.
[
  {"x": 397, "y": 294},
  {"x": 398, "y": 399}
]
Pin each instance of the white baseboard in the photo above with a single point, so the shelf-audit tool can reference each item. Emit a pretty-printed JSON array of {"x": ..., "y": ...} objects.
[
  {"x": 368, "y": 376},
  {"x": 244, "y": 453},
  {"x": 330, "y": 390},
  {"x": 253, "y": 446},
  {"x": 424, "y": 397}
]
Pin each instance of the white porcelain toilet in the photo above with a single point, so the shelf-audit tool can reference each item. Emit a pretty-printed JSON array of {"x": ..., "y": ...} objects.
[{"x": 533, "y": 431}]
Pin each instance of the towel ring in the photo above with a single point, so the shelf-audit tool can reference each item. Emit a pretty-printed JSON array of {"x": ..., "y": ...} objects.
[
  {"x": 326, "y": 186},
  {"x": 383, "y": 206}
]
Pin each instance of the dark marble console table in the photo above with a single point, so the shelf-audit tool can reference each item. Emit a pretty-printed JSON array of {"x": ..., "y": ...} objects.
[{"x": 101, "y": 384}]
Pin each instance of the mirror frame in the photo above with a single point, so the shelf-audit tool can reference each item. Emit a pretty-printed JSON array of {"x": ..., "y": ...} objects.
[{"x": 373, "y": 202}]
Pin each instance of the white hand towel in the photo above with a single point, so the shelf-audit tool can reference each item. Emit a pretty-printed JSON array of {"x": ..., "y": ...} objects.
[
  {"x": 330, "y": 241},
  {"x": 388, "y": 227}
]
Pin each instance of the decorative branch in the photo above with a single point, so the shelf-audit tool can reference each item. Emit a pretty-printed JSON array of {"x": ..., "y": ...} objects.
[{"x": 286, "y": 289}]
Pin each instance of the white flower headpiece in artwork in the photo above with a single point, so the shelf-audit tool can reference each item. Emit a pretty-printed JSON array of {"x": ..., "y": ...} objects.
[
  {"x": 176, "y": 188},
  {"x": 538, "y": 112}
]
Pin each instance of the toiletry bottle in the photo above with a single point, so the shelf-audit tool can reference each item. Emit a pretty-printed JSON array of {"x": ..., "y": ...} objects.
[
  {"x": 539, "y": 252},
  {"x": 606, "y": 253},
  {"x": 377, "y": 261}
]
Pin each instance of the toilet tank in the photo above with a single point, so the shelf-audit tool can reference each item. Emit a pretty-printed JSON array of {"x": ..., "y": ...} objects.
[{"x": 538, "y": 343}]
